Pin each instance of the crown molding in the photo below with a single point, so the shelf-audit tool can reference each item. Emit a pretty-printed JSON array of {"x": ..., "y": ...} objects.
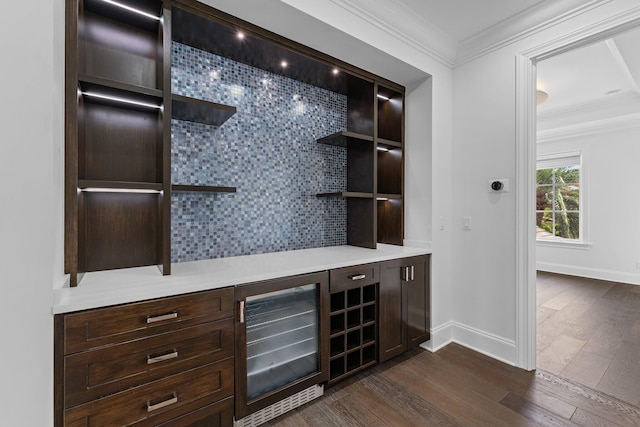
[
  {"x": 524, "y": 24},
  {"x": 613, "y": 124},
  {"x": 402, "y": 23}
]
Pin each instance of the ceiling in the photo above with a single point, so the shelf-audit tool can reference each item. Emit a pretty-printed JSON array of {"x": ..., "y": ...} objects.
[
  {"x": 603, "y": 76},
  {"x": 462, "y": 19}
]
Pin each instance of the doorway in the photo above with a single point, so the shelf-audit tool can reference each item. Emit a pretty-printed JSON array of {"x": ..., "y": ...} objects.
[{"x": 526, "y": 67}]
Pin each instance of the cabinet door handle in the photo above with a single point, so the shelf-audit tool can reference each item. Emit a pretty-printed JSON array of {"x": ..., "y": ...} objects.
[
  {"x": 413, "y": 270},
  {"x": 405, "y": 274},
  {"x": 173, "y": 399},
  {"x": 241, "y": 311},
  {"x": 162, "y": 357},
  {"x": 358, "y": 277},
  {"x": 162, "y": 317}
]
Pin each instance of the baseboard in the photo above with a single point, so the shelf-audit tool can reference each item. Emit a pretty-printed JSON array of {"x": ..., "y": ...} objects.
[
  {"x": 593, "y": 273},
  {"x": 483, "y": 342},
  {"x": 440, "y": 337}
]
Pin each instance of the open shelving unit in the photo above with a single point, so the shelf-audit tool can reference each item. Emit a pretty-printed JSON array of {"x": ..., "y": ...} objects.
[
  {"x": 119, "y": 106},
  {"x": 352, "y": 345},
  {"x": 117, "y": 172}
]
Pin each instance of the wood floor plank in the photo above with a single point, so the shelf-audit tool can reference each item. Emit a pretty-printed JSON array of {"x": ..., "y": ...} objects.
[
  {"x": 588, "y": 419},
  {"x": 414, "y": 406},
  {"x": 582, "y": 397},
  {"x": 354, "y": 414},
  {"x": 622, "y": 377},
  {"x": 557, "y": 355},
  {"x": 633, "y": 334},
  {"x": 548, "y": 331},
  {"x": 586, "y": 325},
  {"x": 586, "y": 368},
  {"x": 532, "y": 411},
  {"x": 608, "y": 338},
  {"x": 465, "y": 405},
  {"x": 379, "y": 406}
]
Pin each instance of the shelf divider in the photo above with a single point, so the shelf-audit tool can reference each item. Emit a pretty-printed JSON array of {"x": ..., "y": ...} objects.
[{"x": 84, "y": 184}]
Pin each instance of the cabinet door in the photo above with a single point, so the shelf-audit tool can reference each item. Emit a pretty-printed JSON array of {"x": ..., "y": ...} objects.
[
  {"x": 392, "y": 331},
  {"x": 417, "y": 302}
]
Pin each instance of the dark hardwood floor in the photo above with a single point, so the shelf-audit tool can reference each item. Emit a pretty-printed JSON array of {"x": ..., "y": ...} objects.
[
  {"x": 458, "y": 387},
  {"x": 589, "y": 332}
]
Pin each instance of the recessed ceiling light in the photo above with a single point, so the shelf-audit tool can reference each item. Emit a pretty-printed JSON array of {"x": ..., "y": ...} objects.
[
  {"x": 284, "y": 64},
  {"x": 240, "y": 35},
  {"x": 335, "y": 71}
]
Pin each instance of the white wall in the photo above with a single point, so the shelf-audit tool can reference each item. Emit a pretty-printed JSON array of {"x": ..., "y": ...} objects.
[
  {"x": 484, "y": 277},
  {"x": 610, "y": 176},
  {"x": 32, "y": 40}
]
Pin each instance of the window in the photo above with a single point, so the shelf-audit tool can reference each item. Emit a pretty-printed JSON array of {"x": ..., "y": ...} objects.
[{"x": 558, "y": 213}]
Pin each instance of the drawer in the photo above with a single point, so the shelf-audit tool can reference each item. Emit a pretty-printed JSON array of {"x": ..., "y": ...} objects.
[
  {"x": 96, "y": 373},
  {"x": 112, "y": 325},
  {"x": 160, "y": 401},
  {"x": 341, "y": 279},
  {"x": 219, "y": 414}
]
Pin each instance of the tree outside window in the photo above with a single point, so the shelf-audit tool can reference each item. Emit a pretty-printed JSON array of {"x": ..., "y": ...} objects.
[{"x": 558, "y": 198}]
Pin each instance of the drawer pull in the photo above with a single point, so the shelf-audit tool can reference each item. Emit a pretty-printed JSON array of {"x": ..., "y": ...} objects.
[
  {"x": 170, "y": 401},
  {"x": 162, "y": 317},
  {"x": 358, "y": 277},
  {"x": 162, "y": 357}
]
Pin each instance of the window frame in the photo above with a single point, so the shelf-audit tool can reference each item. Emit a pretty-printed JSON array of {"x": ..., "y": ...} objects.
[{"x": 559, "y": 158}]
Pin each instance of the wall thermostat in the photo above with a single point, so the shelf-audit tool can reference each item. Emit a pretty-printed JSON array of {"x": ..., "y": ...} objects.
[{"x": 498, "y": 185}]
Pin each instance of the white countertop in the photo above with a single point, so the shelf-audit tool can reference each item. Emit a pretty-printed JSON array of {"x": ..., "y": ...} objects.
[{"x": 104, "y": 288}]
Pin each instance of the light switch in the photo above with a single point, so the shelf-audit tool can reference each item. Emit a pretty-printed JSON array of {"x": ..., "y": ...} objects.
[{"x": 466, "y": 223}]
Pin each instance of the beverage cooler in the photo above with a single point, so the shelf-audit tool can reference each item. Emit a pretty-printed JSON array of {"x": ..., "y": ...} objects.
[{"x": 280, "y": 359}]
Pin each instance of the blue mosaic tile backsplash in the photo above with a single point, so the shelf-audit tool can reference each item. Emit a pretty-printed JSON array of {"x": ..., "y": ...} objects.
[{"x": 267, "y": 150}]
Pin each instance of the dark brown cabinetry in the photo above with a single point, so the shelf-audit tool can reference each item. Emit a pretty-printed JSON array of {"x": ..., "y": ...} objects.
[
  {"x": 375, "y": 165},
  {"x": 157, "y": 362},
  {"x": 117, "y": 164},
  {"x": 404, "y": 316},
  {"x": 353, "y": 320}
]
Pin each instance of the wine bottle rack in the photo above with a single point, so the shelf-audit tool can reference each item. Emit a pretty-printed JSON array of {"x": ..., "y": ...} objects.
[{"x": 353, "y": 322}]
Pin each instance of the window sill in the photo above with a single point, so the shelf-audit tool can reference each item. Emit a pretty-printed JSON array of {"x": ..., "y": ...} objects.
[{"x": 563, "y": 243}]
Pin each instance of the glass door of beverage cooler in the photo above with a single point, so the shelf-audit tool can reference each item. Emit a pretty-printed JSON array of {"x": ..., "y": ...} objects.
[{"x": 280, "y": 333}]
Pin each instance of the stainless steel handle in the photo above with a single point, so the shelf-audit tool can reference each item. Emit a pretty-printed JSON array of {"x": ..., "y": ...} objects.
[
  {"x": 241, "y": 310},
  {"x": 170, "y": 401},
  {"x": 408, "y": 273},
  {"x": 162, "y": 357},
  {"x": 162, "y": 317},
  {"x": 358, "y": 277}
]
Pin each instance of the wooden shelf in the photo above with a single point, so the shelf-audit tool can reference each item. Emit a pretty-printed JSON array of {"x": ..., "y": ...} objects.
[
  {"x": 341, "y": 139},
  {"x": 202, "y": 188},
  {"x": 387, "y": 143},
  {"x": 347, "y": 194},
  {"x": 119, "y": 185},
  {"x": 123, "y": 95},
  {"x": 147, "y": 23},
  {"x": 199, "y": 111},
  {"x": 388, "y": 196},
  {"x": 88, "y": 82}
]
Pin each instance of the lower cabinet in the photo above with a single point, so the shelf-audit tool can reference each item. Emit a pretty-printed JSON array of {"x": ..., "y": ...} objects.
[
  {"x": 165, "y": 362},
  {"x": 205, "y": 358},
  {"x": 404, "y": 317}
]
